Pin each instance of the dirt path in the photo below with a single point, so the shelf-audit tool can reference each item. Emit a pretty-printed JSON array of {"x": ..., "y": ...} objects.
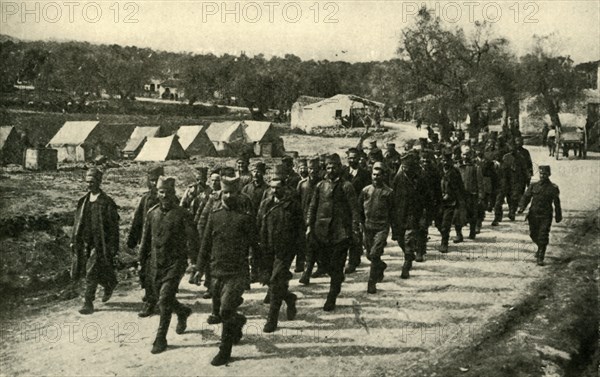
[{"x": 444, "y": 305}]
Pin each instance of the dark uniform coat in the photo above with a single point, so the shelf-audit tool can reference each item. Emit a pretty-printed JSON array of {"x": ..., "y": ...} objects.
[
  {"x": 168, "y": 240},
  {"x": 542, "y": 196},
  {"x": 148, "y": 200},
  {"x": 95, "y": 236}
]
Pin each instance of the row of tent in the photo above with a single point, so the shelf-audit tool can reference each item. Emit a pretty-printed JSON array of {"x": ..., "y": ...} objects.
[{"x": 85, "y": 140}]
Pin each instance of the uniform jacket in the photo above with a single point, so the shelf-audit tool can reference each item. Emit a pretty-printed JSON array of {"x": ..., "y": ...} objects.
[
  {"x": 376, "y": 207},
  {"x": 194, "y": 195},
  {"x": 281, "y": 229},
  {"x": 168, "y": 240},
  {"x": 109, "y": 219},
  {"x": 148, "y": 200},
  {"x": 527, "y": 160},
  {"x": 542, "y": 195},
  {"x": 514, "y": 169},
  {"x": 214, "y": 202},
  {"x": 472, "y": 178},
  {"x": 255, "y": 193},
  {"x": 333, "y": 211},
  {"x": 452, "y": 188},
  {"x": 305, "y": 189},
  {"x": 228, "y": 237},
  {"x": 410, "y": 200},
  {"x": 361, "y": 180}
]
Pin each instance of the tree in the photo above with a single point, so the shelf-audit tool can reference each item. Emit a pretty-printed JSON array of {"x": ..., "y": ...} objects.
[{"x": 550, "y": 77}]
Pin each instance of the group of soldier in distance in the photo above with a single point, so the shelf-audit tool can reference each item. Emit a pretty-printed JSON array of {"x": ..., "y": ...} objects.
[{"x": 234, "y": 227}]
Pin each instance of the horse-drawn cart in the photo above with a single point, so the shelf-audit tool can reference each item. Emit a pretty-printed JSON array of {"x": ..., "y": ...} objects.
[{"x": 571, "y": 138}]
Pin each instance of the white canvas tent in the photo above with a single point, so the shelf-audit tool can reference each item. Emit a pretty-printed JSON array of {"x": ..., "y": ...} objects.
[
  {"x": 228, "y": 137},
  {"x": 263, "y": 138},
  {"x": 138, "y": 138},
  {"x": 85, "y": 140},
  {"x": 195, "y": 141},
  {"x": 161, "y": 149}
]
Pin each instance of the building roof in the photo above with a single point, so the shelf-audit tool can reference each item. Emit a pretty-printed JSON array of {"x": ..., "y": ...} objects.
[
  {"x": 4, "y": 134},
  {"x": 350, "y": 97},
  {"x": 138, "y": 136},
  {"x": 255, "y": 130},
  {"x": 161, "y": 149},
  {"x": 73, "y": 133},
  {"x": 222, "y": 131},
  {"x": 307, "y": 100}
]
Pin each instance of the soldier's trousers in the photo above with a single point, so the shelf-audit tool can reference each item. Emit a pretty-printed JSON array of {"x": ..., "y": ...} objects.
[
  {"x": 472, "y": 207},
  {"x": 355, "y": 251},
  {"x": 516, "y": 191},
  {"x": 168, "y": 304},
  {"x": 445, "y": 223},
  {"x": 313, "y": 254},
  {"x": 279, "y": 285},
  {"x": 98, "y": 273},
  {"x": 334, "y": 259},
  {"x": 539, "y": 229},
  {"x": 375, "y": 241},
  {"x": 227, "y": 293},
  {"x": 408, "y": 240}
]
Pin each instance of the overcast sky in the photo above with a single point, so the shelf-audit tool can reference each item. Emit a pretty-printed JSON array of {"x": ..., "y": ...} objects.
[{"x": 339, "y": 30}]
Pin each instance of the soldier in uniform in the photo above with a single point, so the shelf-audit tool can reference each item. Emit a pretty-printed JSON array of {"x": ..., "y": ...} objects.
[
  {"x": 359, "y": 178},
  {"x": 410, "y": 201},
  {"x": 334, "y": 219},
  {"x": 515, "y": 175},
  {"x": 392, "y": 158},
  {"x": 230, "y": 233},
  {"x": 168, "y": 240},
  {"x": 149, "y": 199},
  {"x": 282, "y": 238},
  {"x": 432, "y": 178},
  {"x": 256, "y": 189},
  {"x": 302, "y": 168},
  {"x": 542, "y": 195},
  {"x": 95, "y": 241},
  {"x": 526, "y": 156},
  {"x": 196, "y": 192},
  {"x": 292, "y": 178},
  {"x": 243, "y": 173},
  {"x": 473, "y": 194},
  {"x": 452, "y": 198},
  {"x": 305, "y": 189},
  {"x": 376, "y": 207}
]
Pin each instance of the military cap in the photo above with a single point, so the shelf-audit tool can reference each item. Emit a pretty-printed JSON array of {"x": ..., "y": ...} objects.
[
  {"x": 314, "y": 163},
  {"x": 287, "y": 159},
  {"x": 227, "y": 171},
  {"x": 333, "y": 158},
  {"x": 243, "y": 158},
  {"x": 156, "y": 171},
  {"x": 230, "y": 183},
  {"x": 545, "y": 169},
  {"x": 323, "y": 156},
  {"x": 201, "y": 171},
  {"x": 93, "y": 174},
  {"x": 391, "y": 145},
  {"x": 167, "y": 183},
  {"x": 373, "y": 143},
  {"x": 352, "y": 150},
  {"x": 378, "y": 166},
  {"x": 259, "y": 166},
  {"x": 302, "y": 162}
]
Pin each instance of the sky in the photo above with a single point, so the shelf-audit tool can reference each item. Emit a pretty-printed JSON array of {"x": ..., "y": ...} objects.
[{"x": 352, "y": 31}]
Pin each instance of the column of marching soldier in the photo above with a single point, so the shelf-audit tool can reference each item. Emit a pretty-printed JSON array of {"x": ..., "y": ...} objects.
[{"x": 235, "y": 228}]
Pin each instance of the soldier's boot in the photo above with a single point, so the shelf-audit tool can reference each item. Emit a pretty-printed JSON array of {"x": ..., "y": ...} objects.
[
  {"x": 273, "y": 318},
  {"x": 444, "y": 245},
  {"x": 148, "y": 309},
  {"x": 160, "y": 342},
  {"x": 472, "y": 231},
  {"x": 497, "y": 219},
  {"x": 305, "y": 278},
  {"x": 334, "y": 291},
  {"x": 406, "y": 267},
  {"x": 478, "y": 226},
  {"x": 239, "y": 323},
  {"x": 214, "y": 316},
  {"x": 87, "y": 308},
  {"x": 290, "y": 302},
  {"x": 371, "y": 287},
  {"x": 380, "y": 270},
  {"x": 459, "y": 236},
  {"x": 267, "y": 299},
  {"x": 108, "y": 292},
  {"x": 226, "y": 345},
  {"x": 319, "y": 273},
  {"x": 373, "y": 276},
  {"x": 183, "y": 312},
  {"x": 541, "y": 255}
]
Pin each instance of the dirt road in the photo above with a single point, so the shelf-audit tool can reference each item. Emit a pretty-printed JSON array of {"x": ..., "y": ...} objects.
[{"x": 444, "y": 305}]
